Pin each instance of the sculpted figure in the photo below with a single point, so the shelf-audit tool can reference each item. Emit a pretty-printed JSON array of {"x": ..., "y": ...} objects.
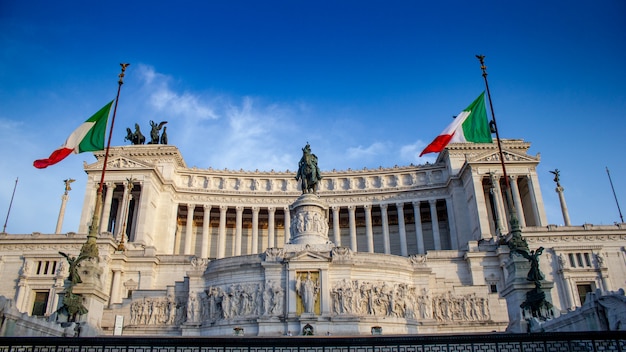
[
  {"x": 557, "y": 177},
  {"x": 534, "y": 274},
  {"x": 600, "y": 260},
  {"x": 135, "y": 137},
  {"x": 171, "y": 306},
  {"x": 278, "y": 301},
  {"x": 307, "y": 290},
  {"x": 308, "y": 171},
  {"x": 154, "y": 131},
  {"x": 164, "y": 136},
  {"x": 67, "y": 184},
  {"x": 267, "y": 299},
  {"x": 73, "y": 267},
  {"x": 562, "y": 261}
]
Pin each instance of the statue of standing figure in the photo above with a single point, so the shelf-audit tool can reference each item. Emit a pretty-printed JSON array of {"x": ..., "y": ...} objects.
[
  {"x": 154, "y": 132},
  {"x": 308, "y": 171},
  {"x": 307, "y": 289}
]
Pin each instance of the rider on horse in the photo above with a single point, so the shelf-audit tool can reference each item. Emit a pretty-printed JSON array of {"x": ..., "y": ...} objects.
[{"x": 308, "y": 172}]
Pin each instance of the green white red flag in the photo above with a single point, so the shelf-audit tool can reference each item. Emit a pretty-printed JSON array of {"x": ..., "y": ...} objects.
[
  {"x": 87, "y": 137},
  {"x": 469, "y": 126}
]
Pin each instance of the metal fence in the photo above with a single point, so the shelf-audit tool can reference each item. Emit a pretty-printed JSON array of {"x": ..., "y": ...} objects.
[{"x": 540, "y": 342}]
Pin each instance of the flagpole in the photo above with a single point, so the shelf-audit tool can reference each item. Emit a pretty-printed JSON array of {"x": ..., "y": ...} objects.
[
  {"x": 90, "y": 249},
  {"x": 11, "y": 203},
  {"x": 516, "y": 232},
  {"x": 614, "y": 195}
]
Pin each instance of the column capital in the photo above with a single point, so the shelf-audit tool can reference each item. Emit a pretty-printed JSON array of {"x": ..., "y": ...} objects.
[
  {"x": 432, "y": 201},
  {"x": 207, "y": 206},
  {"x": 239, "y": 208},
  {"x": 416, "y": 203},
  {"x": 400, "y": 205},
  {"x": 352, "y": 207},
  {"x": 271, "y": 210},
  {"x": 367, "y": 207},
  {"x": 255, "y": 209},
  {"x": 191, "y": 206},
  {"x": 335, "y": 208},
  {"x": 223, "y": 207},
  {"x": 384, "y": 206}
]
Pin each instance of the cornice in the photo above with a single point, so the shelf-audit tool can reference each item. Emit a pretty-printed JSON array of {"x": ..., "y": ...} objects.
[
  {"x": 575, "y": 235},
  {"x": 151, "y": 153}
]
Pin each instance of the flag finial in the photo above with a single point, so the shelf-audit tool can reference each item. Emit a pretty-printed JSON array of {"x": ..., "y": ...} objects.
[
  {"x": 121, "y": 75},
  {"x": 481, "y": 58}
]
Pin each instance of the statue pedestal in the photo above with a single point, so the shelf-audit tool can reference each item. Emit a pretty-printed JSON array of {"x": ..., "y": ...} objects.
[
  {"x": 515, "y": 292},
  {"x": 309, "y": 224},
  {"x": 94, "y": 297}
]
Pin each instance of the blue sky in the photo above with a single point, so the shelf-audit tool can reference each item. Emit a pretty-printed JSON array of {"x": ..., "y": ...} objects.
[{"x": 245, "y": 84}]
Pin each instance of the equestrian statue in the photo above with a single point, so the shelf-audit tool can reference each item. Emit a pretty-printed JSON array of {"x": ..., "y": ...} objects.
[{"x": 308, "y": 171}]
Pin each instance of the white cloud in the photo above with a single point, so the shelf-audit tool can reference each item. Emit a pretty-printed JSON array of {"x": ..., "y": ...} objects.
[
  {"x": 410, "y": 153},
  {"x": 373, "y": 150},
  {"x": 165, "y": 100}
]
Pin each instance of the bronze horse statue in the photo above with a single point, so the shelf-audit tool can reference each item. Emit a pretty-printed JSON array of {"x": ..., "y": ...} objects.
[
  {"x": 308, "y": 171},
  {"x": 135, "y": 137}
]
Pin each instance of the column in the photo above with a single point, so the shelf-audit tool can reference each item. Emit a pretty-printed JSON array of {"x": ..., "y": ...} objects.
[
  {"x": 559, "y": 191},
  {"x": 369, "y": 234},
  {"x": 64, "y": 199},
  {"x": 115, "y": 287},
  {"x": 21, "y": 296},
  {"x": 336, "y": 229},
  {"x": 419, "y": 234},
  {"x": 106, "y": 208},
  {"x": 271, "y": 243},
  {"x": 517, "y": 201},
  {"x": 479, "y": 224},
  {"x": 569, "y": 300},
  {"x": 172, "y": 246},
  {"x": 402, "y": 229},
  {"x": 206, "y": 222},
  {"x": 533, "y": 201},
  {"x": 221, "y": 237},
  {"x": 352, "y": 219},
  {"x": 255, "y": 230},
  {"x": 573, "y": 297},
  {"x": 535, "y": 192},
  {"x": 497, "y": 202},
  {"x": 238, "y": 229},
  {"x": 454, "y": 241},
  {"x": 383, "y": 214},
  {"x": 435, "y": 223},
  {"x": 189, "y": 228},
  {"x": 287, "y": 226},
  {"x": 126, "y": 231},
  {"x": 178, "y": 233},
  {"x": 143, "y": 226},
  {"x": 121, "y": 205}
]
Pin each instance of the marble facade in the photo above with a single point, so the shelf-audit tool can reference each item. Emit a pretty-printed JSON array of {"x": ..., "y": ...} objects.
[{"x": 408, "y": 249}]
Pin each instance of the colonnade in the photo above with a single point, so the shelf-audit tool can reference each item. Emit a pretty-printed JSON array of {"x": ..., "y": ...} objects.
[
  {"x": 523, "y": 197},
  {"x": 120, "y": 203},
  {"x": 219, "y": 231}
]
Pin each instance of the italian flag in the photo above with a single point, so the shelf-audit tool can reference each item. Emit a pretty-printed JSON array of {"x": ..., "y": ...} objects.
[
  {"x": 87, "y": 137},
  {"x": 469, "y": 126}
]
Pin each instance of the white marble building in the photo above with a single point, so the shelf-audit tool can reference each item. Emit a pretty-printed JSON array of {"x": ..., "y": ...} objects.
[{"x": 403, "y": 250}]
